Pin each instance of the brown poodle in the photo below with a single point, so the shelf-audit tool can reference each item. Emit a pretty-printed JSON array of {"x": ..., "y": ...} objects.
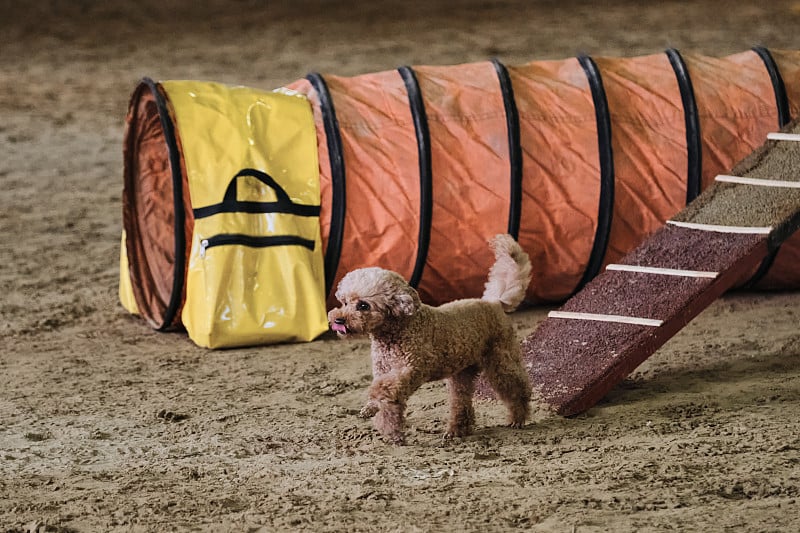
[{"x": 413, "y": 343}]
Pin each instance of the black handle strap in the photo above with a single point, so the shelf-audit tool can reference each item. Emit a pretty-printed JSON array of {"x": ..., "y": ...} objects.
[
  {"x": 231, "y": 204},
  {"x": 263, "y": 177}
]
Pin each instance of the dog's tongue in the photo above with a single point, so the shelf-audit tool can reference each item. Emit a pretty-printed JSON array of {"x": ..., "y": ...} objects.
[{"x": 339, "y": 328}]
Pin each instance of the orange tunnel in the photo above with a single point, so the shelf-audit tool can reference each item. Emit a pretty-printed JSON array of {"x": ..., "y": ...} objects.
[{"x": 580, "y": 159}]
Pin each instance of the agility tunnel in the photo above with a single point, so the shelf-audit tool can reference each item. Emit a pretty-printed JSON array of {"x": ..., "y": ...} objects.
[{"x": 243, "y": 208}]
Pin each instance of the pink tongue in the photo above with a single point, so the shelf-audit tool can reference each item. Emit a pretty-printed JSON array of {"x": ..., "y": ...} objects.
[{"x": 339, "y": 328}]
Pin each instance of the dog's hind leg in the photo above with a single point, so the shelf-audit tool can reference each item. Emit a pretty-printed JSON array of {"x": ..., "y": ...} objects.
[
  {"x": 462, "y": 414},
  {"x": 507, "y": 376}
]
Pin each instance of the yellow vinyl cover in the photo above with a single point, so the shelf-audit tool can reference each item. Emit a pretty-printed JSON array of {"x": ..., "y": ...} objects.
[
  {"x": 255, "y": 272},
  {"x": 125, "y": 288}
]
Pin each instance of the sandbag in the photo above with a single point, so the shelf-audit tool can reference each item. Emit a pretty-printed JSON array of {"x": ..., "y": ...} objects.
[
  {"x": 247, "y": 251},
  {"x": 579, "y": 159}
]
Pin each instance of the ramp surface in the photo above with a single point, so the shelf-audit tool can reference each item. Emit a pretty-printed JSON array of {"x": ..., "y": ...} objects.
[{"x": 581, "y": 351}]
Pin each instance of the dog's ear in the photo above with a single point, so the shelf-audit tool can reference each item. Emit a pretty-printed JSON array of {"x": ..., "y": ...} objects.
[{"x": 405, "y": 302}]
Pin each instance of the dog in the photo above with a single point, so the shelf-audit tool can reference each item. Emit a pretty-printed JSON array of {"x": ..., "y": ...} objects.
[{"x": 414, "y": 343}]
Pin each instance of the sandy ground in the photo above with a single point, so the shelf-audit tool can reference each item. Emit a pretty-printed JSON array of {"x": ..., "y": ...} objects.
[{"x": 106, "y": 425}]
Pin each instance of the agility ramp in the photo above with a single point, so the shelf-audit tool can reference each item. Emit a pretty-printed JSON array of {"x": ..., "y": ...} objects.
[
  {"x": 414, "y": 170},
  {"x": 620, "y": 318}
]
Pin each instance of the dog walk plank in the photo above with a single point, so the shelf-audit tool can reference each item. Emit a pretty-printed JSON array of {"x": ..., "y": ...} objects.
[{"x": 580, "y": 352}]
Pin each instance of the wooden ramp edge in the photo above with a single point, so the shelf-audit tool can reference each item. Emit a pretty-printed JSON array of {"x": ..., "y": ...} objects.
[{"x": 619, "y": 319}]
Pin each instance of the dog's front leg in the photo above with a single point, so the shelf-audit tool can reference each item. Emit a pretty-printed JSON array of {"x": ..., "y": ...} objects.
[
  {"x": 390, "y": 392},
  {"x": 372, "y": 406}
]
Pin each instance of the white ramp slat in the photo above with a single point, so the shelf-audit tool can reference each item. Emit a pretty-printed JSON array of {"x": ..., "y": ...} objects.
[
  {"x": 663, "y": 271},
  {"x": 758, "y": 182},
  {"x": 605, "y": 318},
  {"x": 777, "y": 136},
  {"x": 722, "y": 229}
]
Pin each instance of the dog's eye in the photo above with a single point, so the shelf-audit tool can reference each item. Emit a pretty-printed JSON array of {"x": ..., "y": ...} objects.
[{"x": 362, "y": 306}]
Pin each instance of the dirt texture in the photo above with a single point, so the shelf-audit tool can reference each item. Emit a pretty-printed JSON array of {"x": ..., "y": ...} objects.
[{"x": 106, "y": 425}]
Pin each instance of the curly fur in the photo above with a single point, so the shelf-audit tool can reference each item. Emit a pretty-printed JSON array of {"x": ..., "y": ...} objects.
[{"x": 413, "y": 343}]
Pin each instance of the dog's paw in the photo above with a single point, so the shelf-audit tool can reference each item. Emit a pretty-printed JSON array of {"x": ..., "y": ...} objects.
[
  {"x": 516, "y": 425},
  {"x": 454, "y": 433},
  {"x": 368, "y": 411},
  {"x": 398, "y": 439}
]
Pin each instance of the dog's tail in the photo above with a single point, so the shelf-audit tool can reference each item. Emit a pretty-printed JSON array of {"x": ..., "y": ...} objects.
[{"x": 510, "y": 275}]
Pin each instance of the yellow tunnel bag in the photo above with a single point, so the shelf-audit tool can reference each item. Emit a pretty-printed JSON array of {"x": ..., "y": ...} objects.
[
  {"x": 126, "y": 296},
  {"x": 255, "y": 269}
]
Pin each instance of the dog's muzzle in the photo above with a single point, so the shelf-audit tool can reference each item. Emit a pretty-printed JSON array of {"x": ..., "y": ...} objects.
[{"x": 339, "y": 325}]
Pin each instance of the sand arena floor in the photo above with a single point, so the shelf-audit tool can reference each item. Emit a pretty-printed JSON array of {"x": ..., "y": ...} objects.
[{"x": 106, "y": 425}]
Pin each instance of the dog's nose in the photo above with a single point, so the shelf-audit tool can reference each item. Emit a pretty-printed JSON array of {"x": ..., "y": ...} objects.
[{"x": 340, "y": 321}]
